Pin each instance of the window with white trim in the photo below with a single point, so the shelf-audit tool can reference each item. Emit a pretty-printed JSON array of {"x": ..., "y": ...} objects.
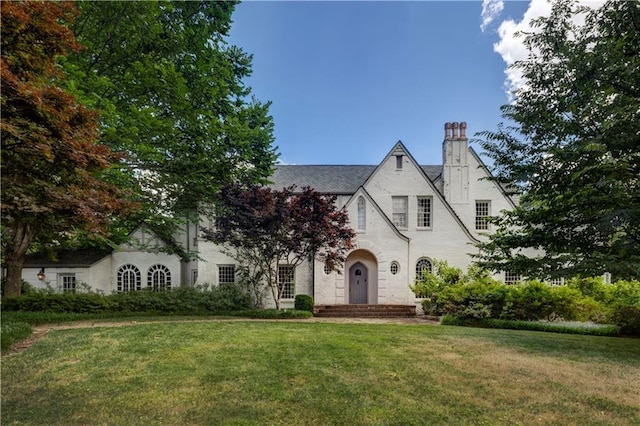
[
  {"x": 129, "y": 279},
  {"x": 394, "y": 268},
  {"x": 286, "y": 277},
  {"x": 226, "y": 274},
  {"x": 362, "y": 214},
  {"x": 424, "y": 212},
  {"x": 482, "y": 214},
  {"x": 399, "y": 211},
  {"x": 423, "y": 264},
  {"x": 159, "y": 278},
  {"x": 68, "y": 283},
  {"x": 511, "y": 277}
]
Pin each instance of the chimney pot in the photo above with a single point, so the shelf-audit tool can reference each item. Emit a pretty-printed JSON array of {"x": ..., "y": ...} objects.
[
  {"x": 447, "y": 130},
  {"x": 463, "y": 130},
  {"x": 455, "y": 130}
]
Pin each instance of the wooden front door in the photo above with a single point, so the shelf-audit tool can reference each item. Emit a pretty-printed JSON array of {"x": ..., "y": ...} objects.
[{"x": 358, "y": 284}]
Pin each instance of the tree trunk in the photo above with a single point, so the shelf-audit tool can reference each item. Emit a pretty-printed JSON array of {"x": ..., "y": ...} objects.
[{"x": 20, "y": 238}]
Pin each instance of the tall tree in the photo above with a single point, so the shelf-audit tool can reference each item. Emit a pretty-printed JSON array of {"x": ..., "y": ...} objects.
[
  {"x": 172, "y": 96},
  {"x": 50, "y": 158},
  {"x": 573, "y": 152},
  {"x": 264, "y": 229}
]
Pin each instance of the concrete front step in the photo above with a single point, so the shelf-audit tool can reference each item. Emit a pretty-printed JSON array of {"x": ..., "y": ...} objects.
[{"x": 369, "y": 311}]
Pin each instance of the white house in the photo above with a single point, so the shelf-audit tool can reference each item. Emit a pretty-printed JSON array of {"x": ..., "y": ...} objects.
[{"x": 405, "y": 215}]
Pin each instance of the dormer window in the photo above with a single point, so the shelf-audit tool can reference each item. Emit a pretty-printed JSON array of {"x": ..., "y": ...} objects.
[{"x": 399, "y": 162}]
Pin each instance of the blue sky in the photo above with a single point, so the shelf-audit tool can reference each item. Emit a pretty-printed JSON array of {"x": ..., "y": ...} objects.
[{"x": 349, "y": 79}]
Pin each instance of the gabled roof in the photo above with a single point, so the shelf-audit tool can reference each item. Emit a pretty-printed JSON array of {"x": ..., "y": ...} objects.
[
  {"x": 331, "y": 179},
  {"x": 399, "y": 148},
  {"x": 363, "y": 192}
]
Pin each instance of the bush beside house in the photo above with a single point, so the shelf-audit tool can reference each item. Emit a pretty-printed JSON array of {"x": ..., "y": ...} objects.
[{"x": 476, "y": 296}]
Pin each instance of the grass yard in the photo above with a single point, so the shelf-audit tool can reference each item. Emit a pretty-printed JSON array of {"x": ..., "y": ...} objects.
[{"x": 260, "y": 372}]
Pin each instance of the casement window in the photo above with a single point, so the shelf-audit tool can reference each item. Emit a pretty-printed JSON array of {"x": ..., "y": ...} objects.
[
  {"x": 362, "y": 214},
  {"x": 482, "y": 215},
  {"x": 399, "y": 211},
  {"x": 159, "y": 278},
  {"x": 423, "y": 264},
  {"x": 194, "y": 276},
  {"x": 511, "y": 277},
  {"x": 68, "y": 283},
  {"x": 129, "y": 279},
  {"x": 286, "y": 281},
  {"x": 399, "y": 162},
  {"x": 226, "y": 274},
  {"x": 424, "y": 212}
]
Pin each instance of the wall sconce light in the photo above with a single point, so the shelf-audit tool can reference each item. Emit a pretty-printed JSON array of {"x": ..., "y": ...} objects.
[{"x": 41, "y": 276}]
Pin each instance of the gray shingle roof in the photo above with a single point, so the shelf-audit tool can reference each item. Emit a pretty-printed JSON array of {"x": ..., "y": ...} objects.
[
  {"x": 68, "y": 258},
  {"x": 330, "y": 179}
]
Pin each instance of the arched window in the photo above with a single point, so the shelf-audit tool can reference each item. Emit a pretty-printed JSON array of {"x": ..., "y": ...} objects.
[
  {"x": 129, "y": 278},
  {"x": 362, "y": 214},
  {"x": 159, "y": 278},
  {"x": 423, "y": 264}
]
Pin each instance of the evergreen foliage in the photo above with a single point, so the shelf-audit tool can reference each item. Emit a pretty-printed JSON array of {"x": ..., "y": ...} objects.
[{"x": 571, "y": 149}]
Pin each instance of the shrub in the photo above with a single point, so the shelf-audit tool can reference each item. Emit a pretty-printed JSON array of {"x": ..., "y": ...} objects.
[
  {"x": 535, "y": 300},
  {"x": 593, "y": 287},
  {"x": 627, "y": 317},
  {"x": 304, "y": 302},
  {"x": 479, "y": 299},
  {"x": 180, "y": 300}
]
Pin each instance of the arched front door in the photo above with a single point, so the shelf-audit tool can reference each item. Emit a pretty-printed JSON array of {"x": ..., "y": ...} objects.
[{"x": 358, "y": 284}]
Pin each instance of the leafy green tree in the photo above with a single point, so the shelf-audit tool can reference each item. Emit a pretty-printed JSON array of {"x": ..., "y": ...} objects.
[
  {"x": 572, "y": 150},
  {"x": 263, "y": 229},
  {"x": 171, "y": 95},
  {"x": 51, "y": 161}
]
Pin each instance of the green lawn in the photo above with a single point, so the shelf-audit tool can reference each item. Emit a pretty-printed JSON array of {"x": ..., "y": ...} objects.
[{"x": 251, "y": 372}]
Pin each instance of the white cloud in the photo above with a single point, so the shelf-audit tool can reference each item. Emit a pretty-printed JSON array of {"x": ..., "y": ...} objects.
[
  {"x": 490, "y": 11},
  {"x": 512, "y": 49}
]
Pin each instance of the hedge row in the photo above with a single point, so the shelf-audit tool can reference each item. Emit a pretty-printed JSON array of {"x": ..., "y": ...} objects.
[
  {"x": 181, "y": 300},
  {"x": 477, "y": 296}
]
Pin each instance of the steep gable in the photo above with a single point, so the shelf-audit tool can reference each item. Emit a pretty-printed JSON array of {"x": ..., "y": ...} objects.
[{"x": 399, "y": 175}]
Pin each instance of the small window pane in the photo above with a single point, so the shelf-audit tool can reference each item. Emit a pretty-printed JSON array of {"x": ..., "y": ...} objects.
[
  {"x": 395, "y": 268},
  {"x": 286, "y": 281},
  {"x": 511, "y": 277},
  {"x": 482, "y": 215},
  {"x": 361, "y": 214},
  {"x": 422, "y": 265},
  {"x": 327, "y": 269},
  {"x": 399, "y": 211},
  {"x": 129, "y": 279},
  {"x": 226, "y": 274},
  {"x": 424, "y": 212},
  {"x": 69, "y": 283},
  {"x": 159, "y": 278}
]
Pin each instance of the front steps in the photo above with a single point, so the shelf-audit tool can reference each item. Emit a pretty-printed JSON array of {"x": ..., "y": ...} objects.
[{"x": 365, "y": 311}]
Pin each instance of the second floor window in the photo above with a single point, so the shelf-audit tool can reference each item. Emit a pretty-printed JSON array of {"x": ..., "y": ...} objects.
[
  {"x": 399, "y": 211},
  {"x": 482, "y": 215},
  {"x": 424, "y": 212},
  {"x": 362, "y": 214}
]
